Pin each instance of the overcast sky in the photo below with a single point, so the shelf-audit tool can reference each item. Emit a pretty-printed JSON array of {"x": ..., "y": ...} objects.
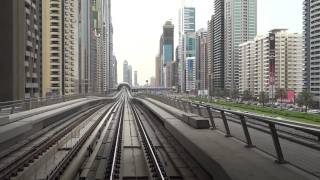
[{"x": 138, "y": 26}]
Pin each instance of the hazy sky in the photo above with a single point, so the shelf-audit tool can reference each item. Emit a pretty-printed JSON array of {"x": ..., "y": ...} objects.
[{"x": 138, "y": 26}]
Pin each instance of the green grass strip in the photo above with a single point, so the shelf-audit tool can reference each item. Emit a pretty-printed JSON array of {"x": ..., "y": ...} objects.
[{"x": 272, "y": 112}]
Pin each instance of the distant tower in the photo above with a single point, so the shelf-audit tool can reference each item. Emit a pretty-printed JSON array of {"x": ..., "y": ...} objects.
[
  {"x": 130, "y": 75},
  {"x": 168, "y": 42},
  {"x": 125, "y": 71},
  {"x": 136, "y": 79}
]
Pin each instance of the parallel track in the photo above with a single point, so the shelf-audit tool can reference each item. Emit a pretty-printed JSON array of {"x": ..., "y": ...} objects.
[{"x": 23, "y": 161}]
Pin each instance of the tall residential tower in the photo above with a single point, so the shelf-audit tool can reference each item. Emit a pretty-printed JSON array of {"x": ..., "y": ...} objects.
[
  {"x": 240, "y": 26},
  {"x": 20, "y": 47},
  {"x": 312, "y": 47}
]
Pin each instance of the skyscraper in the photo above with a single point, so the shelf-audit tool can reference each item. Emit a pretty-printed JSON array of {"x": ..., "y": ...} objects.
[
  {"x": 201, "y": 60},
  {"x": 136, "y": 79},
  {"x": 84, "y": 46},
  {"x": 60, "y": 47},
  {"x": 125, "y": 71},
  {"x": 52, "y": 48},
  {"x": 190, "y": 74},
  {"x": 158, "y": 71},
  {"x": 100, "y": 40},
  {"x": 20, "y": 47},
  {"x": 114, "y": 72},
  {"x": 168, "y": 42},
  {"x": 240, "y": 26},
  {"x": 186, "y": 25},
  {"x": 70, "y": 72},
  {"x": 312, "y": 48},
  {"x": 218, "y": 46},
  {"x": 130, "y": 74},
  {"x": 210, "y": 39}
]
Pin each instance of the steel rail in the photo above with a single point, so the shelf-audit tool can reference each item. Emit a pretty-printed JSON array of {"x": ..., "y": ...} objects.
[
  {"x": 145, "y": 137},
  {"x": 117, "y": 142},
  {"x": 65, "y": 162}
]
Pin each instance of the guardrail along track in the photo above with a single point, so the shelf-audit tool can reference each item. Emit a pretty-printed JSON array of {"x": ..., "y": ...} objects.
[{"x": 290, "y": 142}]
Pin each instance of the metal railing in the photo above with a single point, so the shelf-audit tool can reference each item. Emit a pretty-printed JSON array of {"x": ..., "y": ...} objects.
[
  {"x": 271, "y": 124},
  {"x": 11, "y": 107}
]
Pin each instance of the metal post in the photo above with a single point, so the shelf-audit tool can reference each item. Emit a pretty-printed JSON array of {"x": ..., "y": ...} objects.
[
  {"x": 29, "y": 106},
  {"x": 175, "y": 103},
  {"x": 190, "y": 107},
  {"x": 199, "y": 110},
  {"x": 276, "y": 143},
  {"x": 184, "y": 106},
  {"x": 181, "y": 105},
  {"x": 213, "y": 125},
  {"x": 246, "y": 131},
  {"x": 225, "y": 122},
  {"x": 12, "y": 109}
]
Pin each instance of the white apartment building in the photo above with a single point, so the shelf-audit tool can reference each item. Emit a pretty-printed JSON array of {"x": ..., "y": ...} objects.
[
  {"x": 60, "y": 47},
  {"x": 259, "y": 73},
  {"x": 71, "y": 46}
]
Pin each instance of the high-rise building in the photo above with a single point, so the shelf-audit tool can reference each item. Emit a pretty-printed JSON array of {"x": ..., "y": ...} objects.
[
  {"x": 108, "y": 38},
  {"x": 130, "y": 74},
  {"x": 240, "y": 26},
  {"x": 161, "y": 74},
  {"x": 20, "y": 47},
  {"x": 190, "y": 74},
  {"x": 210, "y": 55},
  {"x": 100, "y": 65},
  {"x": 52, "y": 48},
  {"x": 115, "y": 72},
  {"x": 201, "y": 60},
  {"x": 60, "y": 47},
  {"x": 152, "y": 82},
  {"x": 158, "y": 71},
  {"x": 171, "y": 75},
  {"x": 218, "y": 46},
  {"x": 84, "y": 46},
  {"x": 186, "y": 25},
  {"x": 136, "y": 79},
  {"x": 70, "y": 72},
  {"x": 312, "y": 48},
  {"x": 168, "y": 43},
  {"x": 189, "y": 39},
  {"x": 189, "y": 45},
  {"x": 125, "y": 71},
  {"x": 273, "y": 61}
]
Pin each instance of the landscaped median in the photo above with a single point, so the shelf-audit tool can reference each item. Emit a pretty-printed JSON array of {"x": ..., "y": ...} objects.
[{"x": 273, "y": 112}]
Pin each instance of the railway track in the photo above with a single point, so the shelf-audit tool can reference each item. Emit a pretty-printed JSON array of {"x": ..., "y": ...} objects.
[
  {"x": 163, "y": 157},
  {"x": 122, "y": 140}
]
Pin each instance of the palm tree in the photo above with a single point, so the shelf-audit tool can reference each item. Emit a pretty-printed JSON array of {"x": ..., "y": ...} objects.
[
  {"x": 304, "y": 98},
  {"x": 235, "y": 94},
  {"x": 263, "y": 97},
  {"x": 247, "y": 95}
]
